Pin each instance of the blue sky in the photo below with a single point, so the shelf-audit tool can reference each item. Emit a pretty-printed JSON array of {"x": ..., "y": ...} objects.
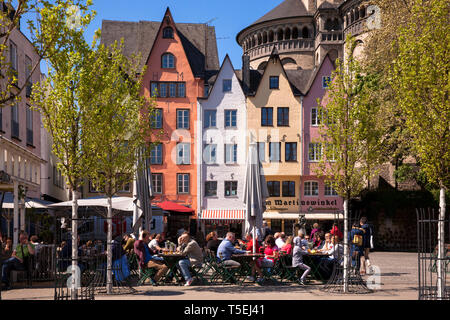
[{"x": 229, "y": 17}]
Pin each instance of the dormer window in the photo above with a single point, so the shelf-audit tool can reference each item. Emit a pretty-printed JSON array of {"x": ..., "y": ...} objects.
[
  {"x": 168, "y": 61},
  {"x": 168, "y": 33}
]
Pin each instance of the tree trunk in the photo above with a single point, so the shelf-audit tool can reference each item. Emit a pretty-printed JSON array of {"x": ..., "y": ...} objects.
[
  {"x": 441, "y": 249},
  {"x": 74, "y": 270},
  {"x": 109, "y": 249},
  {"x": 346, "y": 244}
]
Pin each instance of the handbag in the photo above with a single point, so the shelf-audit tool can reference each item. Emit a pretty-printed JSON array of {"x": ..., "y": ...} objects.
[{"x": 357, "y": 240}]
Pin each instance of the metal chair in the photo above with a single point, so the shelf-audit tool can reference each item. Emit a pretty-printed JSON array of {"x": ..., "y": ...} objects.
[
  {"x": 219, "y": 271},
  {"x": 287, "y": 271}
]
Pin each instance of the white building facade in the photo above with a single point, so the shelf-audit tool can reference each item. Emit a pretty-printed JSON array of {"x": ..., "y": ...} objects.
[{"x": 222, "y": 128}]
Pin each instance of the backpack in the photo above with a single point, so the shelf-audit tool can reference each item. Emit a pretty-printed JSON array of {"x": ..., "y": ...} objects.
[{"x": 357, "y": 240}]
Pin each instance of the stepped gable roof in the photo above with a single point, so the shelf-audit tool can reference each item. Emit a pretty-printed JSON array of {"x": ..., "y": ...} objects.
[
  {"x": 198, "y": 40},
  {"x": 286, "y": 9}
]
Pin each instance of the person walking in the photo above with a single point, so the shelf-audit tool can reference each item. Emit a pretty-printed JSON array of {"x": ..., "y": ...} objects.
[
  {"x": 355, "y": 238},
  {"x": 367, "y": 237}
]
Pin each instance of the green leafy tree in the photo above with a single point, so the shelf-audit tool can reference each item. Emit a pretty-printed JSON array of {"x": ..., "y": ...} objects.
[
  {"x": 419, "y": 76},
  {"x": 381, "y": 45},
  {"x": 43, "y": 36},
  {"x": 122, "y": 125},
  {"x": 64, "y": 98},
  {"x": 349, "y": 135}
]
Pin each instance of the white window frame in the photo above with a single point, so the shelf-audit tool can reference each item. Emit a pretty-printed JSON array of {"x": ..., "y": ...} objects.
[
  {"x": 185, "y": 156},
  {"x": 168, "y": 61},
  {"x": 329, "y": 191},
  {"x": 185, "y": 183},
  {"x": 308, "y": 189},
  {"x": 182, "y": 119},
  {"x": 229, "y": 117},
  {"x": 157, "y": 177},
  {"x": 156, "y": 153},
  {"x": 206, "y": 116},
  {"x": 317, "y": 151},
  {"x": 315, "y": 120},
  {"x": 230, "y": 158},
  {"x": 207, "y": 154}
]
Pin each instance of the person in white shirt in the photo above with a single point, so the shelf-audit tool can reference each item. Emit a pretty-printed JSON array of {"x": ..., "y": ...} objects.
[
  {"x": 154, "y": 244},
  {"x": 280, "y": 242},
  {"x": 328, "y": 243}
]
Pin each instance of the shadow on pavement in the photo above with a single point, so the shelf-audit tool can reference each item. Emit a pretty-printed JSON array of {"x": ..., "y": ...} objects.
[{"x": 159, "y": 293}]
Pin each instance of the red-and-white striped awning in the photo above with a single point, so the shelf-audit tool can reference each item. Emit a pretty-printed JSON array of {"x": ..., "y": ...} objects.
[{"x": 223, "y": 214}]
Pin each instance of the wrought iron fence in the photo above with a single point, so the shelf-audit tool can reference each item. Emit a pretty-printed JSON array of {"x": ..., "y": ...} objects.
[{"x": 428, "y": 260}]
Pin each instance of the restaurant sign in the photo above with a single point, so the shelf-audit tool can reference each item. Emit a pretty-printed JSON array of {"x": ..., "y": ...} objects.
[{"x": 318, "y": 202}]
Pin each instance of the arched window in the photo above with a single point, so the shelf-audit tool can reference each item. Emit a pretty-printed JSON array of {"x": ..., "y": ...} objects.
[
  {"x": 271, "y": 36},
  {"x": 287, "y": 34},
  {"x": 295, "y": 33},
  {"x": 265, "y": 37},
  {"x": 280, "y": 34},
  {"x": 168, "y": 33},
  {"x": 363, "y": 12},
  {"x": 336, "y": 24},
  {"x": 305, "y": 32},
  {"x": 259, "y": 39},
  {"x": 328, "y": 25},
  {"x": 168, "y": 61},
  {"x": 356, "y": 14}
]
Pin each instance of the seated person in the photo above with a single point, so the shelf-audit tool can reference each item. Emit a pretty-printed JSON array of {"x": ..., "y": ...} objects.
[
  {"x": 194, "y": 256},
  {"x": 128, "y": 246},
  {"x": 154, "y": 244},
  {"x": 18, "y": 260},
  {"x": 280, "y": 239},
  {"x": 66, "y": 256},
  {"x": 298, "y": 252},
  {"x": 287, "y": 248},
  {"x": 212, "y": 241},
  {"x": 318, "y": 240},
  {"x": 146, "y": 259},
  {"x": 249, "y": 244},
  {"x": 327, "y": 245},
  {"x": 270, "y": 253},
  {"x": 226, "y": 249}
]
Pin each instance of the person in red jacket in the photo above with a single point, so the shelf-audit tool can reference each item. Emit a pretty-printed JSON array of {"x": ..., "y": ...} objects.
[{"x": 336, "y": 232}]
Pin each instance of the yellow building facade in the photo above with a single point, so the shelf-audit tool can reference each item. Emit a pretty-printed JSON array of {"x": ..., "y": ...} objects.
[{"x": 274, "y": 123}]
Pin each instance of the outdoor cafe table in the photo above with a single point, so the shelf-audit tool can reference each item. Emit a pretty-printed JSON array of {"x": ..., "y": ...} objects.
[
  {"x": 171, "y": 261},
  {"x": 246, "y": 261},
  {"x": 314, "y": 260}
]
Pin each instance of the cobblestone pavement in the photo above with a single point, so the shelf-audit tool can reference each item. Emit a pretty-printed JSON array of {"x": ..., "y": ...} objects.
[{"x": 398, "y": 282}]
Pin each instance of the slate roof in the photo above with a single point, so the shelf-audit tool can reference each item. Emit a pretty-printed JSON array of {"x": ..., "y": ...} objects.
[
  {"x": 199, "y": 41},
  {"x": 328, "y": 5},
  {"x": 286, "y": 9}
]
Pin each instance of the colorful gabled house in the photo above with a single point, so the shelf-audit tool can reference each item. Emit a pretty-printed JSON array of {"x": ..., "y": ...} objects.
[
  {"x": 222, "y": 145},
  {"x": 316, "y": 196},
  {"x": 179, "y": 59},
  {"x": 273, "y": 121}
]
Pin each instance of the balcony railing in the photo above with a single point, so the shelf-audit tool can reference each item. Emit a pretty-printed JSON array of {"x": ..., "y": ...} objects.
[
  {"x": 331, "y": 36},
  {"x": 282, "y": 46}
]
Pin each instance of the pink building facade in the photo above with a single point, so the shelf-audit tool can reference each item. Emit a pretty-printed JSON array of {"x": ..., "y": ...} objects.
[{"x": 315, "y": 195}]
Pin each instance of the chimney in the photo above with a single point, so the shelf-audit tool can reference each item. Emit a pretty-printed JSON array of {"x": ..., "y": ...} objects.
[{"x": 246, "y": 72}]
